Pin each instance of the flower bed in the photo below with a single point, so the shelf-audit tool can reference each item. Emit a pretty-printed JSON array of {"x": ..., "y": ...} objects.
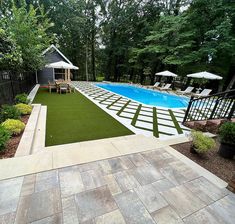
[
  {"x": 212, "y": 161},
  {"x": 12, "y": 144},
  {"x": 13, "y": 119}
]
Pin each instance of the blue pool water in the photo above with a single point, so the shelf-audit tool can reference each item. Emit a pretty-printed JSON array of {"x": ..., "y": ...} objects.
[{"x": 146, "y": 96}]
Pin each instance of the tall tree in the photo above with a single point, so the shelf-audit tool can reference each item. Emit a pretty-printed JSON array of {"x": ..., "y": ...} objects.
[{"x": 27, "y": 26}]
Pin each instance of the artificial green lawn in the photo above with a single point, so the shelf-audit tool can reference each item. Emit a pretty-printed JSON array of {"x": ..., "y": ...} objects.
[{"x": 72, "y": 117}]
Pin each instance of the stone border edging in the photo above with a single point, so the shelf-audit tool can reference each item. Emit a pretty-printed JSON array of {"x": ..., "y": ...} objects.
[
  {"x": 33, "y": 93},
  {"x": 25, "y": 146}
]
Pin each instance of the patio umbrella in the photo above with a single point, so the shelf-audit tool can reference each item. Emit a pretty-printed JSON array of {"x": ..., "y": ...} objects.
[
  {"x": 166, "y": 73},
  {"x": 61, "y": 64},
  {"x": 204, "y": 75}
]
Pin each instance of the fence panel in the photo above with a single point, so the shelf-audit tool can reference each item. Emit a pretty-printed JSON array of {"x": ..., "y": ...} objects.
[{"x": 13, "y": 83}]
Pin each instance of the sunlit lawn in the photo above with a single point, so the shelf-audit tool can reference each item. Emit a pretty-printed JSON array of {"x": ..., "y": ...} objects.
[{"x": 72, "y": 117}]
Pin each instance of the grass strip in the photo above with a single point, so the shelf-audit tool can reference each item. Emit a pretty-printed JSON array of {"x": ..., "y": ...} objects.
[
  {"x": 102, "y": 94},
  {"x": 136, "y": 115},
  {"x": 177, "y": 126},
  {"x": 155, "y": 124},
  {"x": 164, "y": 133},
  {"x": 106, "y": 98},
  {"x": 122, "y": 109},
  {"x": 114, "y": 102}
]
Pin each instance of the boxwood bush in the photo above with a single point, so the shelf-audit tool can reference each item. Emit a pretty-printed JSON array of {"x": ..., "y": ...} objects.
[
  {"x": 24, "y": 108},
  {"x": 15, "y": 127},
  {"x": 9, "y": 112},
  {"x": 201, "y": 142},
  {"x": 4, "y": 137},
  {"x": 21, "y": 98},
  {"x": 227, "y": 133}
]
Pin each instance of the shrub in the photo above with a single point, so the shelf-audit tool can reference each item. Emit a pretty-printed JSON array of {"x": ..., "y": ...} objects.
[
  {"x": 201, "y": 142},
  {"x": 9, "y": 112},
  {"x": 21, "y": 98},
  {"x": 227, "y": 133},
  {"x": 24, "y": 108},
  {"x": 15, "y": 127},
  {"x": 4, "y": 137}
]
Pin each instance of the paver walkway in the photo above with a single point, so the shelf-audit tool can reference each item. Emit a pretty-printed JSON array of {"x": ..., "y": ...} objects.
[
  {"x": 155, "y": 121},
  {"x": 142, "y": 188}
]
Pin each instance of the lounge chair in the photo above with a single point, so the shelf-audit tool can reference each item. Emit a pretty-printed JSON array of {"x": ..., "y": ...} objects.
[
  {"x": 188, "y": 90},
  {"x": 166, "y": 87},
  {"x": 154, "y": 86},
  {"x": 204, "y": 92}
]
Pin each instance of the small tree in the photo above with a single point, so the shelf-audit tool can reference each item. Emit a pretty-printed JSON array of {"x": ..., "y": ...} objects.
[
  {"x": 27, "y": 26},
  {"x": 10, "y": 55}
]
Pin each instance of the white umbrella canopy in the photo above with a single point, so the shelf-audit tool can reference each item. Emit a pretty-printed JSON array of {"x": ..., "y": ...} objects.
[
  {"x": 61, "y": 64},
  {"x": 204, "y": 75},
  {"x": 166, "y": 73}
]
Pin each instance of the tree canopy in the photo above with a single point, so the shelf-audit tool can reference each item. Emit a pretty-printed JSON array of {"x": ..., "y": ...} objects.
[{"x": 122, "y": 40}]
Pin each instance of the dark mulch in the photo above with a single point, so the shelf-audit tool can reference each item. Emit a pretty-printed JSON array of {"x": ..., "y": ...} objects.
[
  {"x": 212, "y": 161},
  {"x": 13, "y": 143}
]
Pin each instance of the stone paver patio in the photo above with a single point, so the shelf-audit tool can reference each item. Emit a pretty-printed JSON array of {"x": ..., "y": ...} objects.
[{"x": 147, "y": 187}]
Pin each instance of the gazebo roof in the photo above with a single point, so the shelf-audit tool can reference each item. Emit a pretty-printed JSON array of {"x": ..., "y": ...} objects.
[
  {"x": 166, "y": 73},
  {"x": 61, "y": 64},
  {"x": 205, "y": 75}
]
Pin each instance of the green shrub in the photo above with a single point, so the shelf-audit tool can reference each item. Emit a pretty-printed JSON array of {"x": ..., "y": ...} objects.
[
  {"x": 4, "y": 137},
  {"x": 227, "y": 133},
  {"x": 9, "y": 112},
  {"x": 21, "y": 98},
  {"x": 201, "y": 142},
  {"x": 15, "y": 127},
  {"x": 24, "y": 108}
]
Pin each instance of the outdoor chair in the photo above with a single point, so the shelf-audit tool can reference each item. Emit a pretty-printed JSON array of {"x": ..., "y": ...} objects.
[
  {"x": 156, "y": 85},
  {"x": 204, "y": 92},
  {"x": 166, "y": 87},
  {"x": 71, "y": 88},
  {"x": 188, "y": 90},
  {"x": 63, "y": 87},
  {"x": 51, "y": 86}
]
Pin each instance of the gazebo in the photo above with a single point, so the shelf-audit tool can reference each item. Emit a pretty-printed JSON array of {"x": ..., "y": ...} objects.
[
  {"x": 169, "y": 75},
  {"x": 63, "y": 65}
]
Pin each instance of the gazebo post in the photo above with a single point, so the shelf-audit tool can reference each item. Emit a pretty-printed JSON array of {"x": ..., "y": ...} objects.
[
  {"x": 65, "y": 74},
  {"x": 69, "y": 75}
]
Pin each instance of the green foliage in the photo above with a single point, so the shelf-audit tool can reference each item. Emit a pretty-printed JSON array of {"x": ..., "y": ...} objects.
[
  {"x": 4, "y": 137},
  {"x": 24, "y": 108},
  {"x": 202, "y": 143},
  {"x": 26, "y": 27},
  {"x": 15, "y": 127},
  {"x": 10, "y": 55},
  {"x": 21, "y": 98},
  {"x": 227, "y": 133},
  {"x": 9, "y": 112}
]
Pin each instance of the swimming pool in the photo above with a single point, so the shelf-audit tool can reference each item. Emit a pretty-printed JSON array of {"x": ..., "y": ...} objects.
[{"x": 147, "y": 96}]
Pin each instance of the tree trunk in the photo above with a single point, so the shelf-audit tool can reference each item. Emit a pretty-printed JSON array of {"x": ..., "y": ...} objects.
[{"x": 93, "y": 44}]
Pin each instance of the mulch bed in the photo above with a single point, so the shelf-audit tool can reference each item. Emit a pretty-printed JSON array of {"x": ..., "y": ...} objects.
[
  {"x": 13, "y": 143},
  {"x": 212, "y": 161}
]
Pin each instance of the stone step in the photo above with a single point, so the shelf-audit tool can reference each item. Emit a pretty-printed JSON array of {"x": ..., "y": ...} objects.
[
  {"x": 40, "y": 132},
  {"x": 26, "y": 142}
]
